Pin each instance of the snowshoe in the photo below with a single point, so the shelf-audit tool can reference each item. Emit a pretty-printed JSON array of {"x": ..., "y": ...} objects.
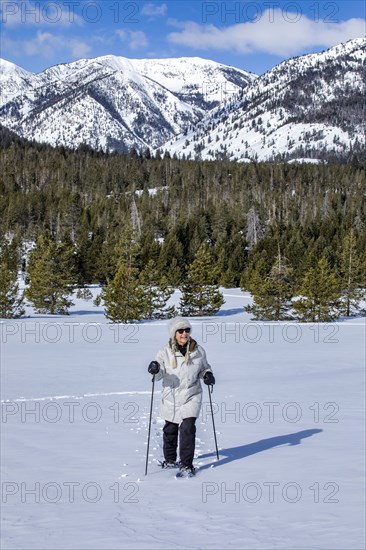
[
  {"x": 167, "y": 465},
  {"x": 185, "y": 471}
]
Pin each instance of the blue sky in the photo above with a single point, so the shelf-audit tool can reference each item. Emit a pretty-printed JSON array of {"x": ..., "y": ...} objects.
[{"x": 252, "y": 35}]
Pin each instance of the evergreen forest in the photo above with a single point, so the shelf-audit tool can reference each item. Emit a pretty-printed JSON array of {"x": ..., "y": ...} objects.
[{"x": 294, "y": 235}]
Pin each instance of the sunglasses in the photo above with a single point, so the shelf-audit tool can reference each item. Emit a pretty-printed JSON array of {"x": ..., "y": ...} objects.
[{"x": 181, "y": 330}]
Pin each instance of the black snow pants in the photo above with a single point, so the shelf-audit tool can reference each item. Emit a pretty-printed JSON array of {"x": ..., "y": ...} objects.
[{"x": 187, "y": 439}]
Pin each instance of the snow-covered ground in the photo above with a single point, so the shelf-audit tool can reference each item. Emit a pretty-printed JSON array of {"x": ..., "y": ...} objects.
[{"x": 289, "y": 414}]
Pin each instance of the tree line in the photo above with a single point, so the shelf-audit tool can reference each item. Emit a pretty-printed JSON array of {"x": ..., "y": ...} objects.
[{"x": 268, "y": 228}]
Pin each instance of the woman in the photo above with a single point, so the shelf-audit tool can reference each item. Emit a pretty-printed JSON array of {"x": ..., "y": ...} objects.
[{"x": 181, "y": 364}]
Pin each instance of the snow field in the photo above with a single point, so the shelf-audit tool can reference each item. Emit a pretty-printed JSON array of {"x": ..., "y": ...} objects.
[{"x": 289, "y": 414}]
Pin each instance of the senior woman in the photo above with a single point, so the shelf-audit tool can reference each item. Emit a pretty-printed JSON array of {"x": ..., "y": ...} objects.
[{"x": 181, "y": 364}]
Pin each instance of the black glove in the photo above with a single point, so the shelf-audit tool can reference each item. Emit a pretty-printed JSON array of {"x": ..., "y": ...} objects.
[
  {"x": 209, "y": 378},
  {"x": 154, "y": 367}
]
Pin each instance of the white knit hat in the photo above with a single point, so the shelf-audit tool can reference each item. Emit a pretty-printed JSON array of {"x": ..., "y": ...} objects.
[{"x": 177, "y": 323}]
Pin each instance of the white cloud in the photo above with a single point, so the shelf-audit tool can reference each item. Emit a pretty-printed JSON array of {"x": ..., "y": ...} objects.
[
  {"x": 272, "y": 33},
  {"x": 122, "y": 34},
  {"x": 135, "y": 39},
  {"x": 153, "y": 10},
  {"x": 138, "y": 39},
  {"x": 44, "y": 44},
  {"x": 48, "y": 46},
  {"x": 79, "y": 49}
]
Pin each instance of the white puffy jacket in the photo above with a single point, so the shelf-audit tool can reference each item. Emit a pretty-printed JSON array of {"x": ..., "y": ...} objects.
[{"x": 182, "y": 392}]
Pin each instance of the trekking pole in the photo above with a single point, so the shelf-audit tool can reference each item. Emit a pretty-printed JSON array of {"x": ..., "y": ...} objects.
[
  {"x": 148, "y": 437},
  {"x": 213, "y": 421}
]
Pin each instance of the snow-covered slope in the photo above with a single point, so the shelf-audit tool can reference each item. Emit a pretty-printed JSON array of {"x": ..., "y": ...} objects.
[
  {"x": 218, "y": 84},
  {"x": 310, "y": 106},
  {"x": 116, "y": 103},
  {"x": 15, "y": 81}
]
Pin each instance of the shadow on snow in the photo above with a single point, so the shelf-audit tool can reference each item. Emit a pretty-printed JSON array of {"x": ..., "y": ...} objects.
[
  {"x": 228, "y": 312},
  {"x": 237, "y": 453}
]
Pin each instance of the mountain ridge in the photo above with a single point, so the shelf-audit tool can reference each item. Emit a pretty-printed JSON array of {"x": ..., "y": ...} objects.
[
  {"x": 108, "y": 103},
  {"x": 305, "y": 107}
]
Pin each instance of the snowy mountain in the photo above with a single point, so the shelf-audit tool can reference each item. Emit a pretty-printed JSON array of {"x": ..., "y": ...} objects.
[
  {"x": 310, "y": 106},
  {"x": 113, "y": 102}
]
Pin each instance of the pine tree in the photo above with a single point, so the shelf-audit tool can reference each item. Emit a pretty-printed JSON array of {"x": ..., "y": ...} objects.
[
  {"x": 84, "y": 294},
  {"x": 11, "y": 302},
  {"x": 50, "y": 271},
  {"x": 123, "y": 296},
  {"x": 256, "y": 270},
  {"x": 174, "y": 274},
  {"x": 200, "y": 294},
  {"x": 105, "y": 260},
  {"x": 351, "y": 276},
  {"x": 319, "y": 293},
  {"x": 171, "y": 254},
  {"x": 149, "y": 248},
  {"x": 157, "y": 292},
  {"x": 227, "y": 279},
  {"x": 272, "y": 294},
  {"x": 127, "y": 248}
]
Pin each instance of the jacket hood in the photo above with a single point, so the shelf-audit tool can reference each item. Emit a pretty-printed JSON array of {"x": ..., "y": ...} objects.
[{"x": 177, "y": 323}]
